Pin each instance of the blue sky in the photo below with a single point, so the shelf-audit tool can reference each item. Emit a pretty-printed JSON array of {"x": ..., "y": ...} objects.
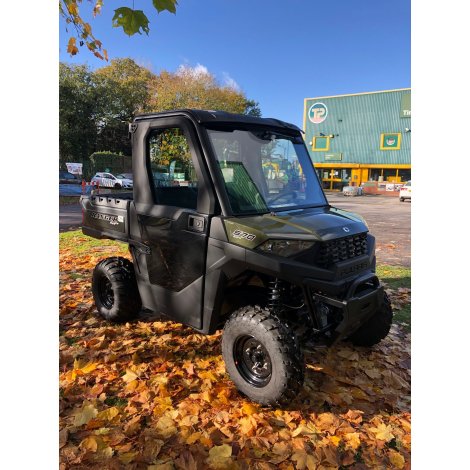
[{"x": 277, "y": 52}]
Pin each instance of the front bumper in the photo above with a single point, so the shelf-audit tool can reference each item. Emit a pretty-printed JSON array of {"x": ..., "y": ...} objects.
[{"x": 363, "y": 299}]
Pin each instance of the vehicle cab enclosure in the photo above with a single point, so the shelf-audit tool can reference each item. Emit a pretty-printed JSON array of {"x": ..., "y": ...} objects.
[{"x": 227, "y": 210}]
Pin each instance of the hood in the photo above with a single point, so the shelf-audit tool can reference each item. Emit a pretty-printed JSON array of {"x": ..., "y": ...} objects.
[{"x": 315, "y": 224}]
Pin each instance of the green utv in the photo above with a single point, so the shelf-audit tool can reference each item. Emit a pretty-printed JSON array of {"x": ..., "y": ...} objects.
[{"x": 228, "y": 227}]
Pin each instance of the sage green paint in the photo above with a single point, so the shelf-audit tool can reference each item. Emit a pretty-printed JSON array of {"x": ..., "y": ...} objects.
[
  {"x": 323, "y": 224},
  {"x": 357, "y": 123}
]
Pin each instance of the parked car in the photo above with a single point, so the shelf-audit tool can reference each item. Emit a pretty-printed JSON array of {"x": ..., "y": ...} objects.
[
  {"x": 107, "y": 180},
  {"x": 125, "y": 176},
  {"x": 68, "y": 178},
  {"x": 405, "y": 191}
]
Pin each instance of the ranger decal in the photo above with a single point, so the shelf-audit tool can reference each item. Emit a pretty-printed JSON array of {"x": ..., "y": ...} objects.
[{"x": 112, "y": 219}]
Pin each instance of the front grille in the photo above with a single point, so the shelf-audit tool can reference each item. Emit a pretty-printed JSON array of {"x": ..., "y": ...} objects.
[{"x": 342, "y": 249}]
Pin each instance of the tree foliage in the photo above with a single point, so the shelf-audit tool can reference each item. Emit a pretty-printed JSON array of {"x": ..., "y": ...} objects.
[
  {"x": 130, "y": 20},
  {"x": 95, "y": 107},
  {"x": 77, "y": 112}
]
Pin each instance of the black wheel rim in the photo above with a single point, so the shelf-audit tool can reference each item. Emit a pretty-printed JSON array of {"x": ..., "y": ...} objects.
[
  {"x": 106, "y": 293},
  {"x": 252, "y": 361}
]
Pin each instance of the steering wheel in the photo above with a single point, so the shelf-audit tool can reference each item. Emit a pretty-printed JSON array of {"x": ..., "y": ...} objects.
[{"x": 287, "y": 193}]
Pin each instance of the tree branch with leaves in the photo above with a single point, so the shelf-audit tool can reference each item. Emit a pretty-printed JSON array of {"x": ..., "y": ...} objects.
[{"x": 130, "y": 20}]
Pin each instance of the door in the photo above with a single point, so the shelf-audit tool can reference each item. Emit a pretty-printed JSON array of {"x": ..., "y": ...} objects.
[{"x": 173, "y": 226}]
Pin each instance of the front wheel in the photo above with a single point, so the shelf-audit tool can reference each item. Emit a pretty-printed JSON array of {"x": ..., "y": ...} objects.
[
  {"x": 262, "y": 356},
  {"x": 376, "y": 328}
]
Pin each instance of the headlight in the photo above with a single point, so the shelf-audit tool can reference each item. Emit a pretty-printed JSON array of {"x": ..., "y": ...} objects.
[{"x": 285, "y": 247}]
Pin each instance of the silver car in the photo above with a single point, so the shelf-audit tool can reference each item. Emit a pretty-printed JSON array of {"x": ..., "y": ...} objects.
[{"x": 108, "y": 180}]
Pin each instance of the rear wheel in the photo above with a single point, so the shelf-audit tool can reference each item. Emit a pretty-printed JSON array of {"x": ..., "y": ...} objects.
[
  {"x": 262, "y": 356},
  {"x": 115, "y": 290},
  {"x": 376, "y": 328}
]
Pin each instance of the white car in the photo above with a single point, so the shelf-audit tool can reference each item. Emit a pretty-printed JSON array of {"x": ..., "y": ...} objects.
[
  {"x": 405, "y": 191},
  {"x": 107, "y": 180}
]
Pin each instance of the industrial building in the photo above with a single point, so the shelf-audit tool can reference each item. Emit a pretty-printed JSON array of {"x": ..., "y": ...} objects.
[{"x": 361, "y": 138}]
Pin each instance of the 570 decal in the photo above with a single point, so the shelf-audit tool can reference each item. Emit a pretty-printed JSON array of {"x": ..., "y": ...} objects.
[{"x": 242, "y": 234}]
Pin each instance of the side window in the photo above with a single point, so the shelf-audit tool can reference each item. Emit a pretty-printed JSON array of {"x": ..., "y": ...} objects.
[{"x": 173, "y": 173}]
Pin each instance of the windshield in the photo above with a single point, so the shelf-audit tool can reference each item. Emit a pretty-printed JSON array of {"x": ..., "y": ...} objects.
[{"x": 265, "y": 171}]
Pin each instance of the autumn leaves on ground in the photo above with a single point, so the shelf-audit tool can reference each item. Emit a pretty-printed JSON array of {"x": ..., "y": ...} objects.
[{"x": 155, "y": 394}]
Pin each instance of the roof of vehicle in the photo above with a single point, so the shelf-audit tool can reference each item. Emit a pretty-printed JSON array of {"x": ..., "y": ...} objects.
[{"x": 209, "y": 116}]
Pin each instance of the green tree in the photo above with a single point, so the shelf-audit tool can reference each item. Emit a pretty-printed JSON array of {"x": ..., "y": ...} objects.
[
  {"x": 96, "y": 106},
  {"x": 123, "y": 90},
  {"x": 198, "y": 89},
  {"x": 77, "y": 112}
]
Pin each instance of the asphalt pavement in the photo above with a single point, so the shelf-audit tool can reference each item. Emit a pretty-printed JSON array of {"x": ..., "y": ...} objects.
[{"x": 389, "y": 220}]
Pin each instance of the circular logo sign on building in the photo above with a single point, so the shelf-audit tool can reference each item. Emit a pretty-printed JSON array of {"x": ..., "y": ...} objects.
[{"x": 317, "y": 113}]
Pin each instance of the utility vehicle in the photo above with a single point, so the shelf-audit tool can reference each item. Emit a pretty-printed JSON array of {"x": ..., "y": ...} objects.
[{"x": 245, "y": 240}]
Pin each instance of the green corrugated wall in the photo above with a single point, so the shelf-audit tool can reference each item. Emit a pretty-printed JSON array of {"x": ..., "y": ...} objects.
[{"x": 359, "y": 120}]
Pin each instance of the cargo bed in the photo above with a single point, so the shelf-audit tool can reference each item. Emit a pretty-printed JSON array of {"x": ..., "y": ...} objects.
[{"x": 106, "y": 215}]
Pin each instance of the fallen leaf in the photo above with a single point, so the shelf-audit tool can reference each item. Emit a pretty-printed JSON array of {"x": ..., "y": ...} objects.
[
  {"x": 383, "y": 432},
  {"x": 220, "y": 456},
  {"x": 85, "y": 414}
]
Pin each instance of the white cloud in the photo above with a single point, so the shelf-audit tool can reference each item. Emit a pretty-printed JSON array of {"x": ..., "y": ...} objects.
[
  {"x": 198, "y": 71},
  {"x": 230, "y": 82}
]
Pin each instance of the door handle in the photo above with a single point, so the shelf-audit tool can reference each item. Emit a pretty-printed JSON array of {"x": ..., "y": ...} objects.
[{"x": 196, "y": 223}]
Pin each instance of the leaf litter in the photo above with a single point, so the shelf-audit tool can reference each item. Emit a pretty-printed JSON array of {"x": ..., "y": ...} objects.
[{"x": 154, "y": 394}]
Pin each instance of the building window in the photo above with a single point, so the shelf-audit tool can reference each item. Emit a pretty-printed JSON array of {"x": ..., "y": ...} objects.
[
  {"x": 390, "y": 175},
  {"x": 375, "y": 174},
  {"x": 404, "y": 175},
  {"x": 321, "y": 144},
  {"x": 390, "y": 141}
]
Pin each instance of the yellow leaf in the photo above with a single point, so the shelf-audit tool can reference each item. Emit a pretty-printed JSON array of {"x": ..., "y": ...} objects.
[
  {"x": 396, "y": 459},
  {"x": 220, "y": 456},
  {"x": 335, "y": 440},
  {"x": 383, "y": 432},
  {"x": 247, "y": 425},
  {"x": 305, "y": 430},
  {"x": 129, "y": 376},
  {"x": 249, "y": 409},
  {"x": 108, "y": 414},
  {"x": 166, "y": 426},
  {"x": 300, "y": 459},
  {"x": 127, "y": 457},
  {"x": 281, "y": 448},
  {"x": 352, "y": 439},
  {"x": 85, "y": 368},
  {"x": 106, "y": 453},
  {"x": 89, "y": 443},
  {"x": 85, "y": 414},
  {"x": 193, "y": 438},
  {"x": 71, "y": 47}
]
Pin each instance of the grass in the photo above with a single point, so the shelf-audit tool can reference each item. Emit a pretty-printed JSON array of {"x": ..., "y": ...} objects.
[
  {"x": 79, "y": 244},
  {"x": 67, "y": 200},
  {"x": 393, "y": 276}
]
